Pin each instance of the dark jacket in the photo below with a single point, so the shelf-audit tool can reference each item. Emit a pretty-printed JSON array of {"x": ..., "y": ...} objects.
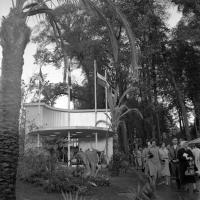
[{"x": 173, "y": 153}]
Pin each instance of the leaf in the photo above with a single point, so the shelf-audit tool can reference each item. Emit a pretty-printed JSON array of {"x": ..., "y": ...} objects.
[
  {"x": 90, "y": 5},
  {"x": 30, "y": 6},
  {"x": 129, "y": 32},
  {"x": 110, "y": 100},
  {"x": 102, "y": 121},
  {"x": 124, "y": 94},
  {"x": 108, "y": 116},
  {"x": 132, "y": 110}
]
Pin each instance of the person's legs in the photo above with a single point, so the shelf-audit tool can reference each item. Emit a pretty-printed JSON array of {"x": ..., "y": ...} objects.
[
  {"x": 167, "y": 180},
  {"x": 194, "y": 186},
  {"x": 187, "y": 187},
  {"x": 153, "y": 180},
  {"x": 178, "y": 182}
]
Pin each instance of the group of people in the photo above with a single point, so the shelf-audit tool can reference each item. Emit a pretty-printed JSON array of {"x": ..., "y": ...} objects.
[{"x": 179, "y": 161}]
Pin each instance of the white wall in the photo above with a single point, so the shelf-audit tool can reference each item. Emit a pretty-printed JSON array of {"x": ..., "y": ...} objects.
[{"x": 52, "y": 117}]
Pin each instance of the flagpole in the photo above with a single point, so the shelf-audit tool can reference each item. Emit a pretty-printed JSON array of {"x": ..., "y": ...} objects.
[
  {"x": 69, "y": 88},
  {"x": 106, "y": 99},
  {"x": 106, "y": 96},
  {"x": 39, "y": 106},
  {"x": 39, "y": 102},
  {"x": 95, "y": 90},
  {"x": 69, "y": 98}
]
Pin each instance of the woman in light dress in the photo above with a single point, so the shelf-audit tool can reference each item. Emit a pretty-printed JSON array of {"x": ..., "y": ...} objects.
[
  {"x": 196, "y": 153},
  {"x": 164, "y": 159},
  {"x": 154, "y": 162}
]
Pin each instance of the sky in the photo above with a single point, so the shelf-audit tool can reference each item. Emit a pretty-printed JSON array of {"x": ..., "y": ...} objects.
[{"x": 54, "y": 75}]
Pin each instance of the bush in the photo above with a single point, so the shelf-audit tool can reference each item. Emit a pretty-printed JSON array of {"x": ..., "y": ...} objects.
[
  {"x": 100, "y": 181},
  {"x": 33, "y": 166}
]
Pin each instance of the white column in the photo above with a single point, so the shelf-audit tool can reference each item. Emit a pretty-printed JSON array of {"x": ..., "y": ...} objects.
[
  {"x": 68, "y": 146},
  {"x": 38, "y": 140},
  {"x": 96, "y": 140}
]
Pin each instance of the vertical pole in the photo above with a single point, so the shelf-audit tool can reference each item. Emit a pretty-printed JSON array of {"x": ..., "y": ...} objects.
[
  {"x": 39, "y": 110},
  {"x": 106, "y": 101},
  {"x": 39, "y": 102},
  {"x": 68, "y": 146},
  {"x": 69, "y": 89},
  {"x": 106, "y": 95},
  {"x": 95, "y": 90},
  {"x": 39, "y": 107}
]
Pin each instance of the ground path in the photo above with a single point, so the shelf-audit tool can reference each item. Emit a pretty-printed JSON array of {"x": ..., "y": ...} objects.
[{"x": 121, "y": 189}]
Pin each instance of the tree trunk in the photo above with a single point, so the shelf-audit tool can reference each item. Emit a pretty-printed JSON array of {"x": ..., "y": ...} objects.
[
  {"x": 158, "y": 127},
  {"x": 182, "y": 106},
  {"x": 196, "y": 102},
  {"x": 180, "y": 122},
  {"x": 124, "y": 145},
  {"x": 14, "y": 38},
  {"x": 116, "y": 158}
]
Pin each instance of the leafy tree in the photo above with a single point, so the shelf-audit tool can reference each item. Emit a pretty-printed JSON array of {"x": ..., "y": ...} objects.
[
  {"x": 187, "y": 43},
  {"x": 15, "y": 36}
]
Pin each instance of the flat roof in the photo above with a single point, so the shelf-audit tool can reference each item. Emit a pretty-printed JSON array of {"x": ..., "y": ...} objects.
[{"x": 75, "y": 132}]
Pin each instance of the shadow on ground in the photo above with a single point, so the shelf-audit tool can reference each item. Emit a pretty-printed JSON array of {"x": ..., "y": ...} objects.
[{"x": 121, "y": 188}]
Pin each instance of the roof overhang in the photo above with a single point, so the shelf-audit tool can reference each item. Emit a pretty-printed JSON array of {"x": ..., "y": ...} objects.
[{"x": 75, "y": 132}]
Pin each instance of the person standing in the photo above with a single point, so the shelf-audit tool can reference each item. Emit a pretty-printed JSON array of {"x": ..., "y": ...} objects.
[
  {"x": 154, "y": 162},
  {"x": 196, "y": 153},
  {"x": 164, "y": 158},
  {"x": 174, "y": 162},
  {"x": 139, "y": 158},
  {"x": 187, "y": 167},
  {"x": 145, "y": 155}
]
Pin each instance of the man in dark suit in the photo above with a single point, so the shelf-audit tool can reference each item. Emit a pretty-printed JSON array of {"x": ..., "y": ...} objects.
[{"x": 174, "y": 162}]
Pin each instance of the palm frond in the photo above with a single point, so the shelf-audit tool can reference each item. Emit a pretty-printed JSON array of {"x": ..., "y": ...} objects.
[
  {"x": 13, "y": 4},
  {"x": 111, "y": 103},
  {"x": 129, "y": 32},
  {"x": 124, "y": 94},
  {"x": 31, "y": 5},
  {"x": 112, "y": 35},
  {"x": 108, "y": 116},
  {"x": 123, "y": 108},
  {"x": 132, "y": 110},
  {"x": 103, "y": 122},
  {"x": 19, "y": 4}
]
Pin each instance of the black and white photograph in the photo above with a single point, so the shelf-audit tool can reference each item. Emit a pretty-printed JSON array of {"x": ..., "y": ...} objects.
[{"x": 99, "y": 99}]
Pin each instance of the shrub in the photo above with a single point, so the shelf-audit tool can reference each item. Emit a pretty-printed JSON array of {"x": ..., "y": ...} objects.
[{"x": 33, "y": 166}]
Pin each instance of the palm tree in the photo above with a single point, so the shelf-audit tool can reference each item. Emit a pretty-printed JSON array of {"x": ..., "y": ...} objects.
[
  {"x": 118, "y": 110},
  {"x": 15, "y": 36}
]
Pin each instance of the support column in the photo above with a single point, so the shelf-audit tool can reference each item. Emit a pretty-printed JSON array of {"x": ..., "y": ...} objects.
[
  {"x": 96, "y": 140},
  {"x": 38, "y": 140},
  {"x": 68, "y": 147}
]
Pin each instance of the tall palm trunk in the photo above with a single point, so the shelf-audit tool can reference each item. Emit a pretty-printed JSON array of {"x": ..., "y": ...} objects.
[{"x": 14, "y": 38}]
